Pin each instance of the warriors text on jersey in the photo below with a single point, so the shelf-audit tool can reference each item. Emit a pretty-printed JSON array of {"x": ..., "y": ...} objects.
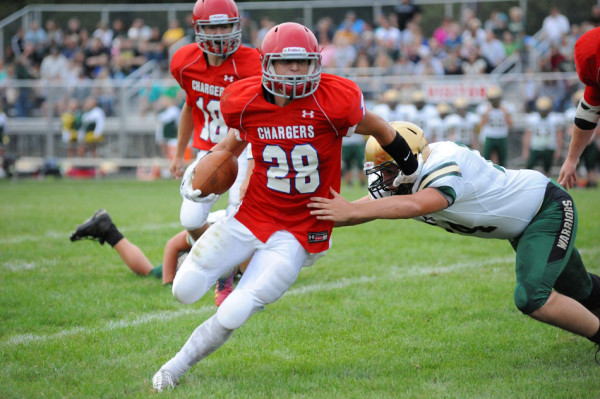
[
  {"x": 473, "y": 186},
  {"x": 297, "y": 153},
  {"x": 204, "y": 84}
]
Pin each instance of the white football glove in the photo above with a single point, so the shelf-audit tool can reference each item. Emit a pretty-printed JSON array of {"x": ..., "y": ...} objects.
[
  {"x": 409, "y": 179},
  {"x": 188, "y": 192}
]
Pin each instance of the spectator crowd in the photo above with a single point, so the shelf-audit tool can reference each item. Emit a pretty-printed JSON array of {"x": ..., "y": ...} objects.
[{"x": 63, "y": 59}]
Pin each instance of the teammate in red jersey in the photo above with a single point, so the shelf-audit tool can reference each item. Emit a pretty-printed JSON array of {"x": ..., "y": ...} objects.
[
  {"x": 204, "y": 69},
  {"x": 294, "y": 117},
  {"x": 587, "y": 62}
]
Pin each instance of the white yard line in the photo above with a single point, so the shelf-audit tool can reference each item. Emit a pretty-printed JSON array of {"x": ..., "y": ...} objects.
[{"x": 396, "y": 273}]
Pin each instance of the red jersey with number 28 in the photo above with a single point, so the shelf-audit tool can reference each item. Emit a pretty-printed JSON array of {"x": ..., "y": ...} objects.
[
  {"x": 297, "y": 154},
  {"x": 204, "y": 84}
]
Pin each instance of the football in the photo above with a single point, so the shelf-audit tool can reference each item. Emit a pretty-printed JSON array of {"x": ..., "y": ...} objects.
[{"x": 215, "y": 173}]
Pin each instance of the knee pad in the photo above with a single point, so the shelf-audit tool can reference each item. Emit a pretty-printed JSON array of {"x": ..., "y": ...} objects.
[
  {"x": 189, "y": 285},
  {"x": 528, "y": 301},
  {"x": 236, "y": 309}
]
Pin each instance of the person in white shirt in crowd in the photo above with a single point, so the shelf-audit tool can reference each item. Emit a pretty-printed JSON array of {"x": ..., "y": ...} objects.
[
  {"x": 139, "y": 30},
  {"x": 555, "y": 25},
  {"x": 492, "y": 50},
  {"x": 543, "y": 138},
  {"x": 474, "y": 32},
  {"x": 104, "y": 33},
  {"x": 428, "y": 65},
  {"x": 52, "y": 72},
  {"x": 345, "y": 53},
  {"x": 388, "y": 36}
]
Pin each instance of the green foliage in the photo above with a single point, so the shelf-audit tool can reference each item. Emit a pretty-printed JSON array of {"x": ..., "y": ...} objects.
[{"x": 395, "y": 309}]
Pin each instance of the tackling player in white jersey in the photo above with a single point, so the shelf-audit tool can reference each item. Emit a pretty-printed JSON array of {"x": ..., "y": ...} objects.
[{"x": 461, "y": 192}]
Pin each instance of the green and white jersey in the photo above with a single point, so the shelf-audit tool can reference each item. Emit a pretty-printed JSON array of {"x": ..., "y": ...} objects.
[
  {"x": 485, "y": 200},
  {"x": 460, "y": 129},
  {"x": 168, "y": 120},
  {"x": 543, "y": 130},
  {"x": 496, "y": 126},
  {"x": 94, "y": 121}
]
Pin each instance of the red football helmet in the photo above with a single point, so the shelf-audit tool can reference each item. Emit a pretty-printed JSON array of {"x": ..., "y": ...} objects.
[
  {"x": 217, "y": 12},
  {"x": 290, "y": 41}
]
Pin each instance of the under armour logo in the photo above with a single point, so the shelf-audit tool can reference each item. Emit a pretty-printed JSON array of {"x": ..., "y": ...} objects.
[
  {"x": 228, "y": 78},
  {"x": 306, "y": 113}
]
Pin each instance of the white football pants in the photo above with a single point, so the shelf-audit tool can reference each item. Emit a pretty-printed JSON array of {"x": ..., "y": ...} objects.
[
  {"x": 193, "y": 215},
  {"x": 272, "y": 270}
]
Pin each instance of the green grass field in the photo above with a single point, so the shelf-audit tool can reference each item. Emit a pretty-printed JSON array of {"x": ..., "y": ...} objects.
[{"x": 397, "y": 309}]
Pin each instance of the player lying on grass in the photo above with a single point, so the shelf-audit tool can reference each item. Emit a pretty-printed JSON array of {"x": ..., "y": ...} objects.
[
  {"x": 101, "y": 228},
  {"x": 461, "y": 192}
]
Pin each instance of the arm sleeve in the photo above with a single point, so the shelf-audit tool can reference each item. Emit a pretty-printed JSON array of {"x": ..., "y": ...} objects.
[{"x": 587, "y": 116}]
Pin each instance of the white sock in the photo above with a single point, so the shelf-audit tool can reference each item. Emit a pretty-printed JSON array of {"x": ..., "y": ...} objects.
[{"x": 206, "y": 338}]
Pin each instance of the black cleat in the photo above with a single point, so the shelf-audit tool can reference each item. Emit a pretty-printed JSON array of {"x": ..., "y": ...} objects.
[{"x": 94, "y": 228}]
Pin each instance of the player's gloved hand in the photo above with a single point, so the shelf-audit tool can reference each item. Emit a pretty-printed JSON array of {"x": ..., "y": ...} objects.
[
  {"x": 409, "y": 179},
  {"x": 188, "y": 192}
]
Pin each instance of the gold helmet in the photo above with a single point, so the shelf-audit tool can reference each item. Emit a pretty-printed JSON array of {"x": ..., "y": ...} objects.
[
  {"x": 461, "y": 103},
  {"x": 443, "y": 109},
  {"x": 380, "y": 167},
  {"x": 418, "y": 96},
  {"x": 390, "y": 96},
  {"x": 544, "y": 104},
  {"x": 494, "y": 95},
  {"x": 494, "y": 92}
]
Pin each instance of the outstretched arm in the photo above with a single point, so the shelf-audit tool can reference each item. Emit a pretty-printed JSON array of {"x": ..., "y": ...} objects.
[
  {"x": 568, "y": 172},
  {"x": 345, "y": 213},
  {"x": 390, "y": 141}
]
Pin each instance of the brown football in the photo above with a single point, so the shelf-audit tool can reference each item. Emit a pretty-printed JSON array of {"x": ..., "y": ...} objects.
[{"x": 215, "y": 173}]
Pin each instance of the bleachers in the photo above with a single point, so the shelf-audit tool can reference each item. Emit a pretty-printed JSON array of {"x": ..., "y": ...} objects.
[{"x": 129, "y": 133}]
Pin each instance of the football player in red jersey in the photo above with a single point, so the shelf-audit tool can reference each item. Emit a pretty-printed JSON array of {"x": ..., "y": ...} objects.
[
  {"x": 203, "y": 69},
  {"x": 587, "y": 62},
  {"x": 294, "y": 117}
]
